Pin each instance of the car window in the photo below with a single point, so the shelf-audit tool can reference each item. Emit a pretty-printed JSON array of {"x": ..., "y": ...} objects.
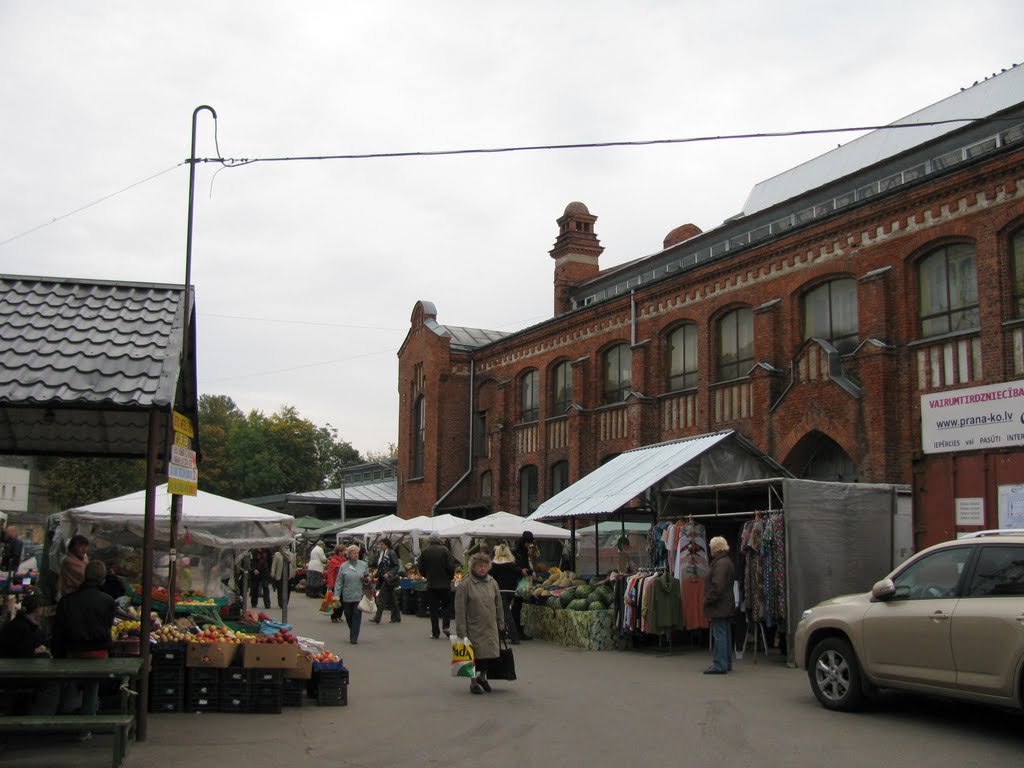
[
  {"x": 933, "y": 576},
  {"x": 1000, "y": 572}
]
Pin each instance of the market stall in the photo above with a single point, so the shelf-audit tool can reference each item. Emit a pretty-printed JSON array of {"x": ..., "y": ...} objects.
[
  {"x": 213, "y": 535},
  {"x": 199, "y": 661}
]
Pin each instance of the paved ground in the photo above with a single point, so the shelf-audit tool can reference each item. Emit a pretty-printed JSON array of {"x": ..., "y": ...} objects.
[{"x": 568, "y": 708}]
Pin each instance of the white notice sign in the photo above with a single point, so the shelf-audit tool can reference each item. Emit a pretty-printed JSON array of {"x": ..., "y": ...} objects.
[
  {"x": 970, "y": 512},
  {"x": 973, "y": 419}
]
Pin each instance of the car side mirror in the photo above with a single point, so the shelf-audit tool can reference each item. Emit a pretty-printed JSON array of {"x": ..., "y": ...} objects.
[{"x": 883, "y": 590}]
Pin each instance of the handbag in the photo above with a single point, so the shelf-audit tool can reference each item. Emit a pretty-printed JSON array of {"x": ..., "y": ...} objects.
[
  {"x": 367, "y": 604},
  {"x": 504, "y": 667}
]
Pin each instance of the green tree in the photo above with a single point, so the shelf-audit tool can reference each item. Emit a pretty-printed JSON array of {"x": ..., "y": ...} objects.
[
  {"x": 218, "y": 416},
  {"x": 74, "y": 482},
  {"x": 390, "y": 453},
  {"x": 251, "y": 455}
]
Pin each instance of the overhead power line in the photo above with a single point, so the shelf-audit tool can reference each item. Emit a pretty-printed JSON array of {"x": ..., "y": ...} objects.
[
  {"x": 235, "y": 162},
  {"x": 228, "y": 162}
]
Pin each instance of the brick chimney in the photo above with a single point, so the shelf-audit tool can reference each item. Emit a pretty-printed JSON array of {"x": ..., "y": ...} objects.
[{"x": 576, "y": 253}]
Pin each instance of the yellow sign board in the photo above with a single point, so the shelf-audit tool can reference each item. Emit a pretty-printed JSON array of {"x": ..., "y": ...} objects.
[
  {"x": 183, "y": 424},
  {"x": 181, "y": 487},
  {"x": 182, "y": 440}
]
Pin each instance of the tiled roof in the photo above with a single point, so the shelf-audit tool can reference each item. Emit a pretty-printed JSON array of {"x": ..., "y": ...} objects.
[{"x": 83, "y": 361}]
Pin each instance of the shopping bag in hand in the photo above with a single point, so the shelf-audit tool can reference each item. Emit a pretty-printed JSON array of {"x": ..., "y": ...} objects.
[
  {"x": 463, "y": 659},
  {"x": 327, "y": 604},
  {"x": 524, "y": 586},
  {"x": 367, "y": 604}
]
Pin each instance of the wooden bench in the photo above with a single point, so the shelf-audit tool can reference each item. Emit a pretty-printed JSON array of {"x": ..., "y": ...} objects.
[{"x": 116, "y": 724}]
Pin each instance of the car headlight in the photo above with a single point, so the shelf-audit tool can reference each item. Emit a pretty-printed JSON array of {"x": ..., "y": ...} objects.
[{"x": 806, "y": 614}]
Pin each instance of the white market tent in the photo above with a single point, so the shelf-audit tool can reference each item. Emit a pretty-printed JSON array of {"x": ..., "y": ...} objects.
[
  {"x": 211, "y": 521},
  {"x": 381, "y": 526},
  {"x": 503, "y": 525},
  {"x": 426, "y": 525}
]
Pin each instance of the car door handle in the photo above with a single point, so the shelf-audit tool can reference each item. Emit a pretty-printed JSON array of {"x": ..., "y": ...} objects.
[{"x": 939, "y": 616}]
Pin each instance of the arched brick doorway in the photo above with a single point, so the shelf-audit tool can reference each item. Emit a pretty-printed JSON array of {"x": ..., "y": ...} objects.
[{"x": 818, "y": 457}]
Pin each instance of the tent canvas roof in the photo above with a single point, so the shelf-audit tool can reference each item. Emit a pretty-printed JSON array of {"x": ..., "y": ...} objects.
[
  {"x": 211, "y": 520},
  {"x": 503, "y": 525},
  {"x": 308, "y": 523},
  {"x": 710, "y": 458}
]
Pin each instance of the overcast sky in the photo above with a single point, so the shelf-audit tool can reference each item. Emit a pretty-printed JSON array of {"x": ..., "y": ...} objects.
[{"x": 306, "y": 272}]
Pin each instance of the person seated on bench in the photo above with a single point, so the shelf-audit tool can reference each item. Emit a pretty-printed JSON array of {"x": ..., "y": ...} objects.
[
  {"x": 22, "y": 638},
  {"x": 81, "y": 630}
]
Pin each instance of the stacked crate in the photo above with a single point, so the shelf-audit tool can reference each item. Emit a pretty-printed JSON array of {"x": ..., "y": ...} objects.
[
  {"x": 330, "y": 686},
  {"x": 167, "y": 678},
  {"x": 235, "y": 691},
  {"x": 203, "y": 694},
  {"x": 293, "y": 691},
  {"x": 266, "y": 690}
]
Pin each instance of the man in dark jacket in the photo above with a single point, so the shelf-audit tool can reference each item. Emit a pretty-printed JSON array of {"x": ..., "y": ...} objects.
[
  {"x": 719, "y": 604},
  {"x": 525, "y": 552},
  {"x": 437, "y": 565},
  {"x": 81, "y": 629}
]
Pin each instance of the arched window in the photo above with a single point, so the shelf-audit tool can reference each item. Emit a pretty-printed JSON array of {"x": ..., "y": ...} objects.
[
  {"x": 420, "y": 422},
  {"x": 681, "y": 354},
  {"x": 1017, "y": 262},
  {"x": 948, "y": 290},
  {"x": 527, "y": 490},
  {"x": 561, "y": 388},
  {"x": 617, "y": 373},
  {"x": 830, "y": 313},
  {"x": 529, "y": 406},
  {"x": 559, "y": 477},
  {"x": 735, "y": 344}
]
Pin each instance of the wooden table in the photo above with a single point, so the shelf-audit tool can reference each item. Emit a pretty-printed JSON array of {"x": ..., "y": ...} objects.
[{"x": 125, "y": 669}]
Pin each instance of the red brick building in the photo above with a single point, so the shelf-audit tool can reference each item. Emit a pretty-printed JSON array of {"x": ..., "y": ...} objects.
[{"x": 886, "y": 270}]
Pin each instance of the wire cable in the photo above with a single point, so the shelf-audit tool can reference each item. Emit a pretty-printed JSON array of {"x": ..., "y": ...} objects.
[
  {"x": 230, "y": 162},
  {"x": 90, "y": 205}
]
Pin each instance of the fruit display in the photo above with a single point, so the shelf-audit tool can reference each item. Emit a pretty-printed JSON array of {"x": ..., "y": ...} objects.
[
  {"x": 577, "y": 596},
  {"x": 211, "y": 633},
  {"x": 125, "y": 629},
  {"x": 326, "y": 656},
  {"x": 169, "y": 633},
  {"x": 281, "y": 636}
]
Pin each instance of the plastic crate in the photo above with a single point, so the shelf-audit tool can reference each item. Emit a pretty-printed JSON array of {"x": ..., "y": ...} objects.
[
  {"x": 332, "y": 697},
  {"x": 234, "y": 675},
  {"x": 267, "y": 698},
  {"x": 422, "y": 609},
  {"x": 203, "y": 676},
  {"x": 167, "y": 655},
  {"x": 167, "y": 676},
  {"x": 174, "y": 703},
  {"x": 293, "y": 698},
  {"x": 200, "y": 703},
  {"x": 235, "y": 704},
  {"x": 165, "y": 690},
  {"x": 266, "y": 676}
]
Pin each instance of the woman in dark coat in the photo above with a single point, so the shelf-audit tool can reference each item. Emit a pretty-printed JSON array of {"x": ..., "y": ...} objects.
[
  {"x": 719, "y": 604},
  {"x": 479, "y": 616}
]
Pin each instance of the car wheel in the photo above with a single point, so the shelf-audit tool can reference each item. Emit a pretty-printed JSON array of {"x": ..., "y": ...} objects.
[{"x": 835, "y": 675}]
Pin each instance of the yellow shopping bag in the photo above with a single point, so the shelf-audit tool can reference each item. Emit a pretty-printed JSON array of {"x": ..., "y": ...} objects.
[{"x": 463, "y": 659}]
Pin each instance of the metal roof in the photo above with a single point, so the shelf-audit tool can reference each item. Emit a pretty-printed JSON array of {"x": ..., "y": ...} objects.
[
  {"x": 82, "y": 362},
  {"x": 981, "y": 100},
  {"x": 384, "y": 492},
  {"x": 628, "y": 475},
  {"x": 472, "y": 337}
]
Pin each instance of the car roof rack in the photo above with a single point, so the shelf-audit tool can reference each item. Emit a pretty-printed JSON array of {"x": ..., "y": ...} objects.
[{"x": 994, "y": 532}]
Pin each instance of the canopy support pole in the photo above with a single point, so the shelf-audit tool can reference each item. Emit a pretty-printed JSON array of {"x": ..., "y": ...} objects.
[
  {"x": 172, "y": 566},
  {"x": 142, "y": 700},
  {"x": 573, "y": 544}
]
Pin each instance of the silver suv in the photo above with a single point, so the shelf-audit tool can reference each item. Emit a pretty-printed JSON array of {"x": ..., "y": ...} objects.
[{"x": 948, "y": 621}]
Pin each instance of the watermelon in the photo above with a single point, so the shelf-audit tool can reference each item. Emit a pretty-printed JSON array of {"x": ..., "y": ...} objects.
[
  {"x": 554, "y": 602},
  {"x": 577, "y": 605},
  {"x": 597, "y": 605},
  {"x": 604, "y": 594},
  {"x": 584, "y": 591},
  {"x": 567, "y": 596}
]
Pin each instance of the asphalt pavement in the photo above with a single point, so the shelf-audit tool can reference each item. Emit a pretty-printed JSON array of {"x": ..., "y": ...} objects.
[{"x": 569, "y": 707}]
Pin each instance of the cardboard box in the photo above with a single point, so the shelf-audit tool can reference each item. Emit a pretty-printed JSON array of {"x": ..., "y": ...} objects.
[
  {"x": 270, "y": 655},
  {"x": 210, "y": 654},
  {"x": 303, "y": 668}
]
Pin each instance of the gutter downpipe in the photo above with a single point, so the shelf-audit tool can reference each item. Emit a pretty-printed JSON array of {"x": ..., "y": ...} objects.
[
  {"x": 632, "y": 318},
  {"x": 469, "y": 467}
]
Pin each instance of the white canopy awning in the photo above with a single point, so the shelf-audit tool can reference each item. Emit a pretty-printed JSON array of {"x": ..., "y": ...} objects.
[
  {"x": 704, "y": 459},
  {"x": 503, "y": 525},
  {"x": 211, "y": 520}
]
